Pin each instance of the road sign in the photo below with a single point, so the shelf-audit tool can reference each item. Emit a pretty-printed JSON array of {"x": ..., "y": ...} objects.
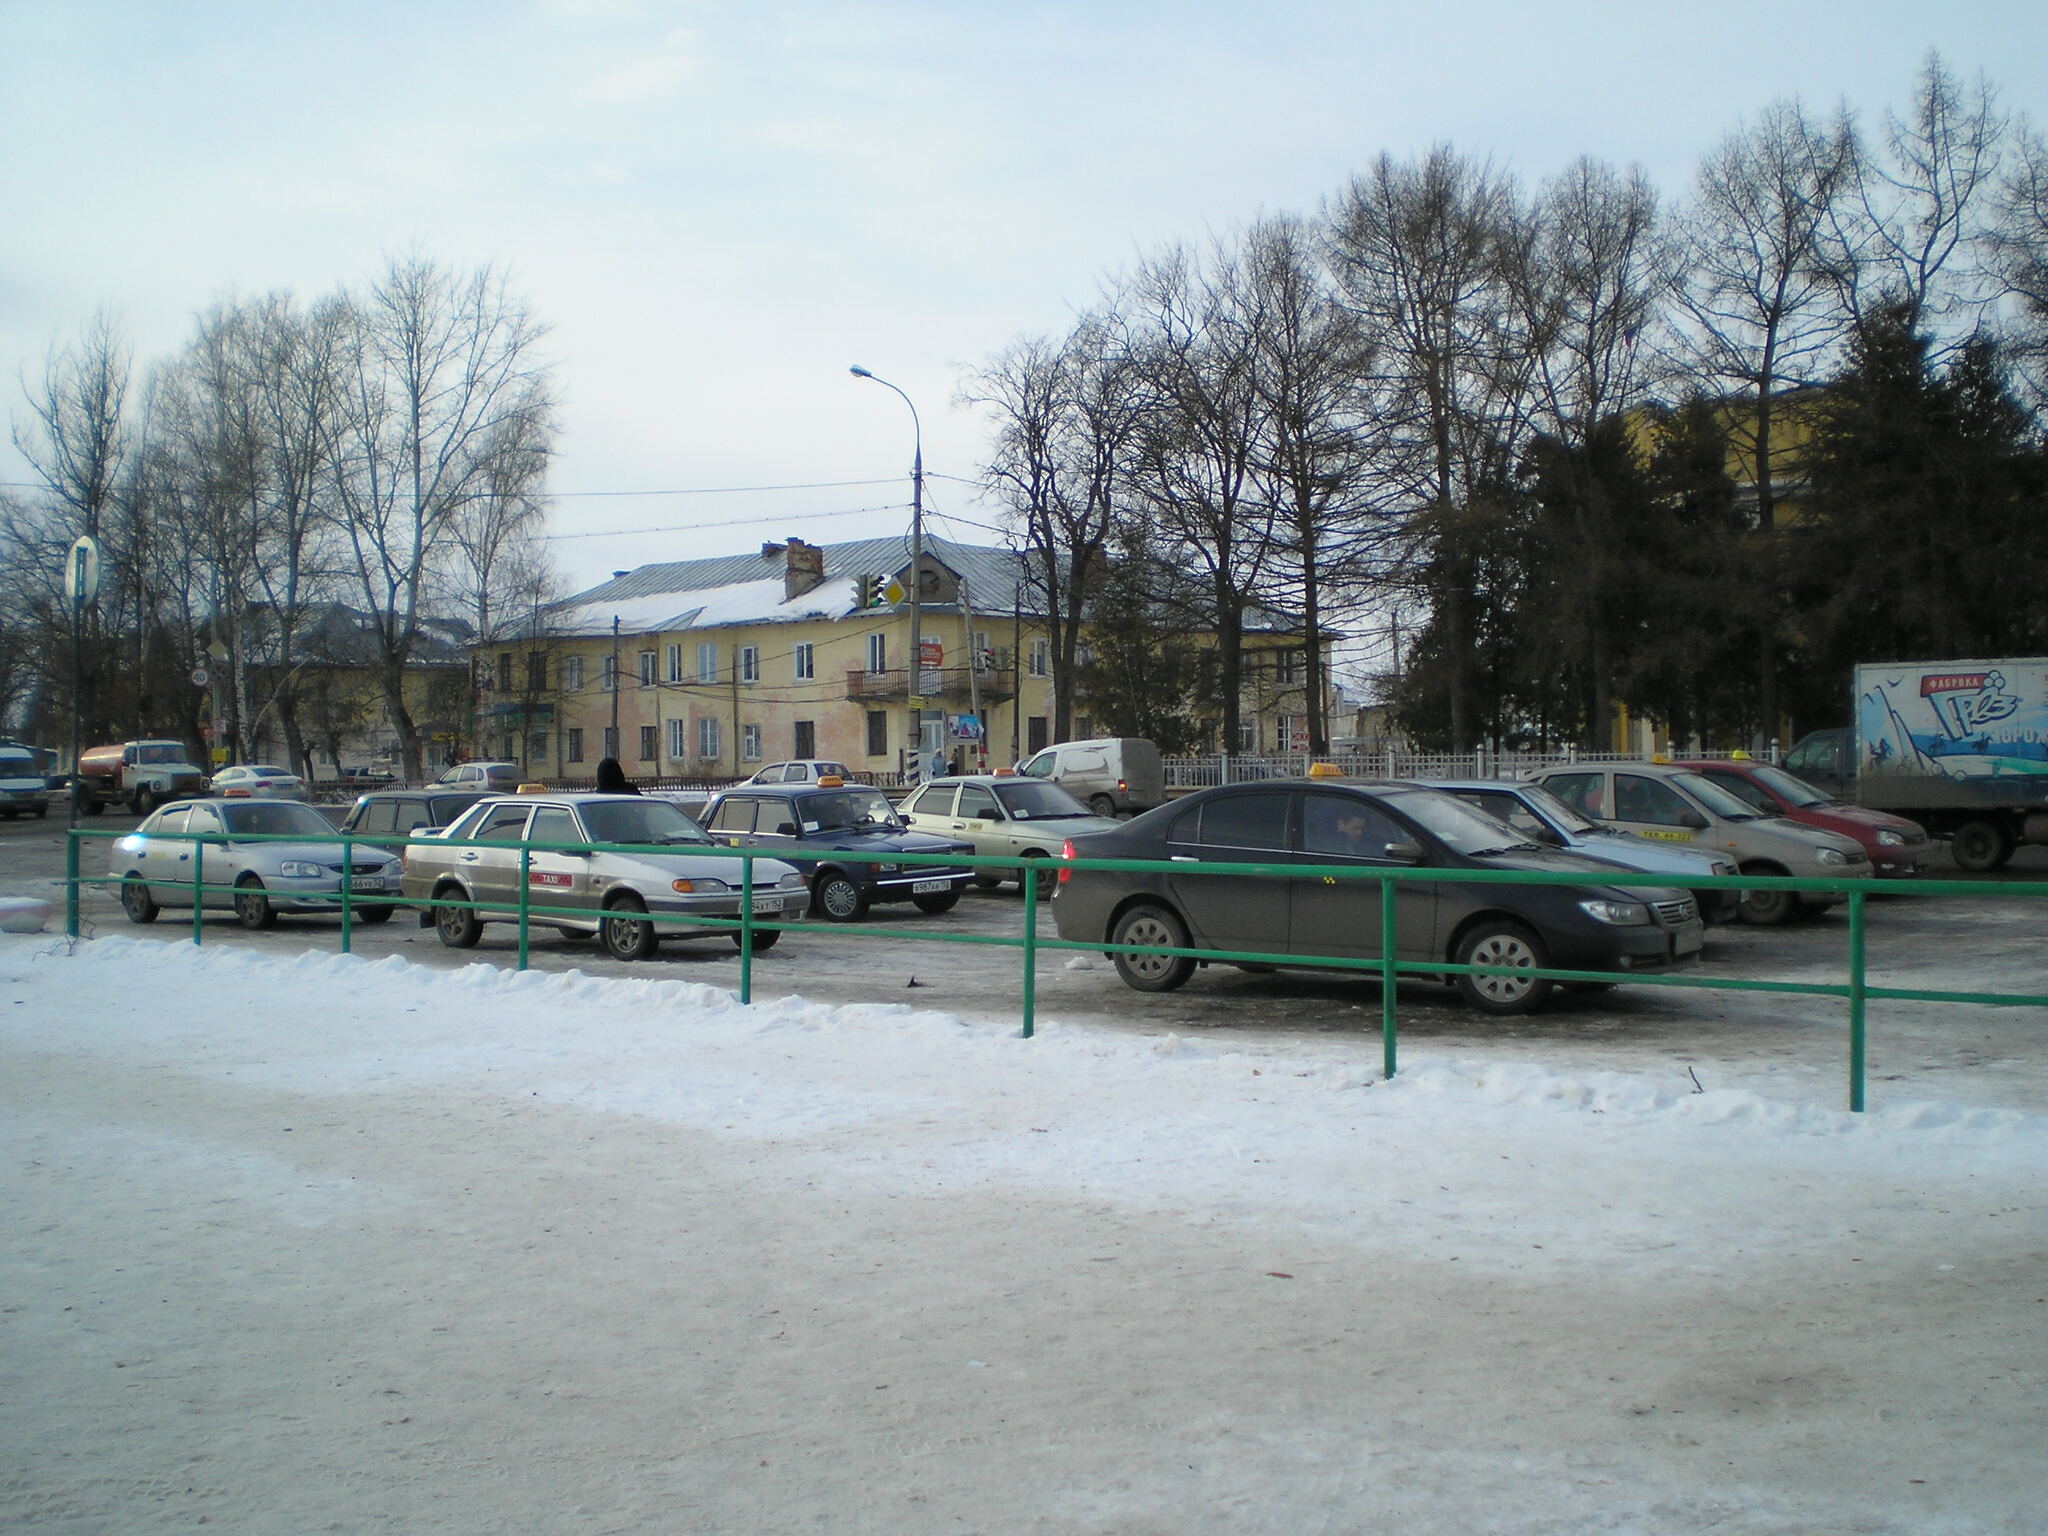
[
  {"x": 201, "y": 677},
  {"x": 82, "y": 572}
]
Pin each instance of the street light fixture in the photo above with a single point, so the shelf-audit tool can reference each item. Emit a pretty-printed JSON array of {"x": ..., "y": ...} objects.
[{"x": 916, "y": 583}]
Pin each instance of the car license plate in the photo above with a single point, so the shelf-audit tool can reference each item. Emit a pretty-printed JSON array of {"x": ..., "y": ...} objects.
[
  {"x": 1689, "y": 941},
  {"x": 367, "y": 883},
  {"x": 768, "y": 904},
  {"x": 926, "y": 887}
]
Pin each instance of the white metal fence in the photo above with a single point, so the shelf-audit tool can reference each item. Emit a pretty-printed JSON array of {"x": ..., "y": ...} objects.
[{"x": 1387, "y": 763}]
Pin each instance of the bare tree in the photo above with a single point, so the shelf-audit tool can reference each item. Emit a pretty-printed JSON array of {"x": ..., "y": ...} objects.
[
  {"x": 2018, "y": 246},
  {"x": 444, "y": 380},
  {"x": 1761, "y": 308},
  {"x": 1418, "y": 248}
]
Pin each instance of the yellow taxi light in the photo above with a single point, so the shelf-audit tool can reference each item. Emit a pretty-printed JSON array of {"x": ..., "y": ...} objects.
[
  {"x": 830, "y": 781},
  {"x": 531, "y": 789},
  {"x": 1006, "y": 773},
  {"x": 1660, "y": 757},
  {"x": 1738, "y": 756},
  {"x": 1325, "y": 771}
]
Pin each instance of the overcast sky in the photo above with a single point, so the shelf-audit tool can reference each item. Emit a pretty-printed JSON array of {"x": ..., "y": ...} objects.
[{"x": 718, "y": 207}]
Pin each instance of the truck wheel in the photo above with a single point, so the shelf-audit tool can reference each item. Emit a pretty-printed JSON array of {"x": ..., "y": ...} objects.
[
  {"x": 1981, "y": 846},
  {"x": 145, "y": 802},
  {"x": 1102, "y": 805}
]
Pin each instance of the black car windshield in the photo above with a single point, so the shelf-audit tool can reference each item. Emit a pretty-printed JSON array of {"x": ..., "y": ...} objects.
[
  {"x": 1036, "y": 800},
  {"x": 839, "y": 810},
  {"x": 1455, "y": 823},
  {"x": 276, "y": 818},
  {"x": 639, "y": 821},
  {"x": 1790, "y": 786}
]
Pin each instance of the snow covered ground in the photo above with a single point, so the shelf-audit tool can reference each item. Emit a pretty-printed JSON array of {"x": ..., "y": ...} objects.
[{"x": 346, "y": 1244}]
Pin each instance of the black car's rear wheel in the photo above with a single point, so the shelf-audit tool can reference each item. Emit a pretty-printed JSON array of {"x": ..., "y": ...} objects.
[
  {"x": 136, "y": 901},
  {"x": 938, "y": 901},
  {"x": 627, "y": 933},
  {"x": 373, "y": 914},
  {"x": 1152, "y": 973},
  {"x": 1504, "y": 944},
  {"x": 765, "y": 939},
  {"x": 252, "y": 906},
  {"x": 838, "y": 899}
]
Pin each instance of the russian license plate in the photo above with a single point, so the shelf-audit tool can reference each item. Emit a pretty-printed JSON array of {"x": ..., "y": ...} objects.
[
  {"x": 768, "y": 904},
  {"x": 367, "y": 883},
  {"x": 926, "y": 887},
  {"x": 1689, "y": 941}
]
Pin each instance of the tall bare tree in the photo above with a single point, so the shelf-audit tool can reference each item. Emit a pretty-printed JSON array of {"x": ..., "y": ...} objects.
[
  {"x": 1761, "y": 307},
  {"x": 445, "y": 379}
]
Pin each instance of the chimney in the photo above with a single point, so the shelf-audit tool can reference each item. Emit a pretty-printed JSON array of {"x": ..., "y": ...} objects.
[{"x": 803, "y": 569}]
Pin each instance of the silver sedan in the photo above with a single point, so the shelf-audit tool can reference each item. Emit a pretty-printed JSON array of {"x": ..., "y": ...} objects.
[{"x": 256, "y": 857}]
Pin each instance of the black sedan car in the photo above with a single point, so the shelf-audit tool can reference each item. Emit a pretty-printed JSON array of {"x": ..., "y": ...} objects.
[
  {"x": 807, "y": 824},
  {"x": 1313, "y": 824},
  {"x": 401, "y": 812}
]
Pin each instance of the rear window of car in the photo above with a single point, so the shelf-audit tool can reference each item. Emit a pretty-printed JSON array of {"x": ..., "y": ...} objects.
[
  {"x": 1239, "y": 821},
  {"x": 1580, "y": 791},
  {"x": 734, "y": 815},
  {"x": 374, "y": 818}
]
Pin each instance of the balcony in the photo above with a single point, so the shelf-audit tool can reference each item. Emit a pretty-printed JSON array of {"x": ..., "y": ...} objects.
[{"x": 994, "y": 685}]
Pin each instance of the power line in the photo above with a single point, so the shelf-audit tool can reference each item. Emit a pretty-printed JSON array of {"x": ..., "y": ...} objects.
[
  {"x": 737, "y": 522},
  {"x": 729, "y": 490}
]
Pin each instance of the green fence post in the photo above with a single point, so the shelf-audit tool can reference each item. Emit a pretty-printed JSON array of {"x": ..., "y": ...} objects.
[
  {"x": 1388, "y": 975},
  {"x": 525, "y": 898},
  {"x": 746, "y": 927},
  {"x": 347, "y": 904},
  {"x": 71, "y": 883},
  {"x": 1856, "y": 1002},
  {"x": 198, "y": 884},
  {"x": 1030, "y": 947}
]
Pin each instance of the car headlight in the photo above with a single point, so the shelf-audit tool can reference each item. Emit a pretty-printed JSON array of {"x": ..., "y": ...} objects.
[
  {"x": 1622, "y": 914},
  {"x": 1891, "y": 840},
  {"x": 701, "y": 886},
  {"x": 793, "y": 881},
  {"x": 1830, "y": 856},
  {"x": 299, "y": 869}
]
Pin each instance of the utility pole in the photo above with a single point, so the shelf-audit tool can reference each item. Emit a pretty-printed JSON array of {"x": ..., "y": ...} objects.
[
  {"x": 613, "y": 744},
  {"x": 915, "y": 590}
]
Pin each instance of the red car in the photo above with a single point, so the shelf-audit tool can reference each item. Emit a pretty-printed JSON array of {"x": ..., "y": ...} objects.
[{"x": 1897, "y": 847}]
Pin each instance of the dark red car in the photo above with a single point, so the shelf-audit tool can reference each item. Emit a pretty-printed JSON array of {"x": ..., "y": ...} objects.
[{"x": 1897, "y": 847}]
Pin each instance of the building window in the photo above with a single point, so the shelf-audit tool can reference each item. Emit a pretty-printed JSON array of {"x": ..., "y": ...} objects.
[
  {"x": 574, "y": 753},
  {"x": 750, "y": 743},
  {"x": 1287, "y": 667},
  {"x": 647, "y": 743},
  {"x": 978, "y": 650},
  {"x": 878, "y": 653},
  {"x": 707, "y": 736},
  {"x": 1247, "y": 735},
  {"x": 678, "y": 740},
  {"x": 1035, "y": 734},
  {"x": 675, "y": 664},
  {"x": 750, "y": 663},
  {"x": 1041, "y": 657},
  {"x": 611, "y": 741},
  {"x": 536, "y": 671},
  {"x": 572, "y": 676},
  {"x": 878, "y": 734},
  {"x": 610, "y": 680},
  {"x": 707, "y": 661},
  {"x": 806, "y": 667},
  {"x": 806, "y": 744},
  {"x": 537, "y": 747},
  {"x": 1291, "y": 734},
  {"x": 1084, "y": 728},
  {"x": 504, "y": 672},
  {"x": 647, "y": 672}
]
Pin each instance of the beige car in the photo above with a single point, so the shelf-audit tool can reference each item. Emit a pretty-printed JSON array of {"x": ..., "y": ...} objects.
[
  {"x": 1002, "y": 813},
  {"x": 1669, "y": 804}
]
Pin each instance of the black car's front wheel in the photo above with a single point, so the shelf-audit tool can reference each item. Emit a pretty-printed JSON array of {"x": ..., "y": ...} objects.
[
  {"x": 838, "y": 899},
  {"x": 1514, "y": 947},
  {"x": 1152, "y": 973},
  {"x": 627, "y": 933},
  {"x": 936, "y": 902}
]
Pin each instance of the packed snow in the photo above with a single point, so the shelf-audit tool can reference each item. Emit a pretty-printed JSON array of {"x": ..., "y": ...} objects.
[{"x": 345, "y": 1244}]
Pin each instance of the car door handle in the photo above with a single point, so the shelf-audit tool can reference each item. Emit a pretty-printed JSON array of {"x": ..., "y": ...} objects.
[
  {"x": 1183, "y": 858},
  {"x": 468, "y": 856}
]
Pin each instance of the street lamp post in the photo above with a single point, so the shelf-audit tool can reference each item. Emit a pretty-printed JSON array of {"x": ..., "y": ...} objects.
[{"x": 916, "y": 587}]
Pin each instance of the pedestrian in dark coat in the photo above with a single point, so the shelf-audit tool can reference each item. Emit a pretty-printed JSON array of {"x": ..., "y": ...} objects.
[{"x": 611, "y": 779}]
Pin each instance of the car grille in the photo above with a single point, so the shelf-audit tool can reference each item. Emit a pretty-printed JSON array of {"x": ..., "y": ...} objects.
[{"x": 1675, "y": 913}]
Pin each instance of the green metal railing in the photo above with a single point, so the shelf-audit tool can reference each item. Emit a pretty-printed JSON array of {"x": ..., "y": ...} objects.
[{"x": 1856, "y": 990}]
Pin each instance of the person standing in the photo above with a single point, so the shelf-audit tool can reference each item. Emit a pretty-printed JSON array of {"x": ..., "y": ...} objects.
[{"x": 612, "y": 780}]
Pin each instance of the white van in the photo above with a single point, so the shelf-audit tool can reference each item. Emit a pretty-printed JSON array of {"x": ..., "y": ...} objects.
[{"x": 1109, "y": 775}]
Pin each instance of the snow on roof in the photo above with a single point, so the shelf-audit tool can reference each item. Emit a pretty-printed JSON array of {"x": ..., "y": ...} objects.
[{"x": 745, "y": 602}]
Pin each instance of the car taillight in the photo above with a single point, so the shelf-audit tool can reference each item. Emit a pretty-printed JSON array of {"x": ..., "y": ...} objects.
[{"x": 1066, "y": 852}]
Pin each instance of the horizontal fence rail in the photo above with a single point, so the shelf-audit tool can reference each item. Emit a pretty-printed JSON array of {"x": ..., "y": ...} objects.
[{"x": 1386, "y": 967}]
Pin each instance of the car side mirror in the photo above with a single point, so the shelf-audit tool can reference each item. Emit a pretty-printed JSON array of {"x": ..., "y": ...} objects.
[
  {"x": 1405, "y": 852},
  {"x": 1550, "y": 836},
  {"x": 1692, "y": 820}
]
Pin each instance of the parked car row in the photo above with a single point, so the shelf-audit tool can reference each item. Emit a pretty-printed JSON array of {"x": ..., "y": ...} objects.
[{"x": 616, "y": 866}]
